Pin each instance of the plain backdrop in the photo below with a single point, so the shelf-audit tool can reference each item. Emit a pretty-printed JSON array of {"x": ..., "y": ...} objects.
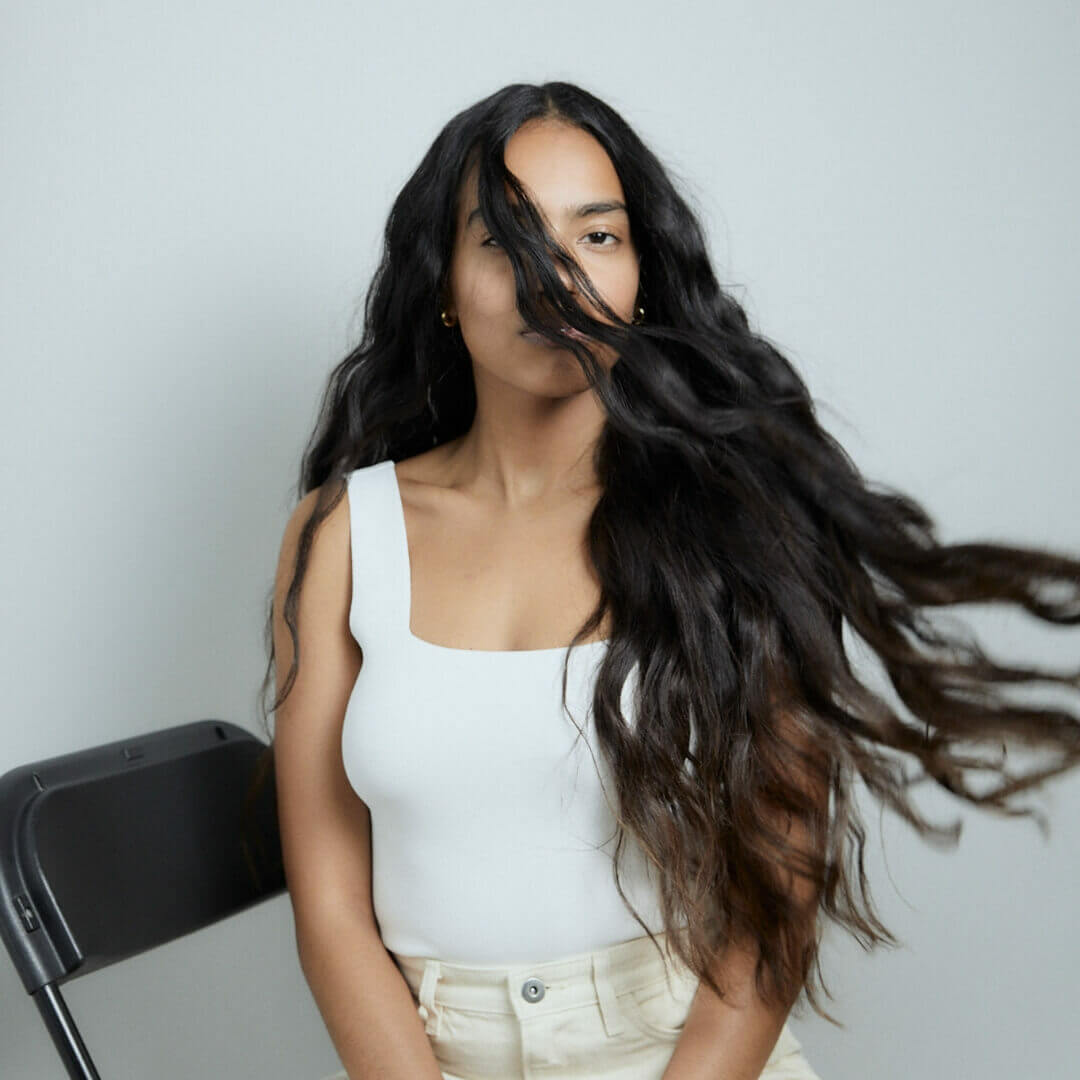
[{"x": 191, "y": 202}]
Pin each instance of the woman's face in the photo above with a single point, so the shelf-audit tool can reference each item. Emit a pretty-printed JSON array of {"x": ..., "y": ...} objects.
[{"x": 563, "y": 169}]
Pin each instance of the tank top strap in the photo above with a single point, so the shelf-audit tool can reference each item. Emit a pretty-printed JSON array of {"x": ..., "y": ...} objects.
[{"x": 379, "y": 604}]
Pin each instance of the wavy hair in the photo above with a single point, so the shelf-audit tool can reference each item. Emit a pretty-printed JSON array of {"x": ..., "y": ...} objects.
[{"x": 732, "y": 540}]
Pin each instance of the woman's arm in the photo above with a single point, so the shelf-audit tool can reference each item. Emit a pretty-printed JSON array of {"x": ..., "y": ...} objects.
[
  {"x": 728, "y": 1038},
  {"x": 731, "y": 1038},
  {"x": 326, "y": 829},
  {"x": 366, "y": 1004}
]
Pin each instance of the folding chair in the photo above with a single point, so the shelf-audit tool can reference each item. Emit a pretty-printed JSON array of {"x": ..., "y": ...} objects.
[{"x": 110, "y": 851}]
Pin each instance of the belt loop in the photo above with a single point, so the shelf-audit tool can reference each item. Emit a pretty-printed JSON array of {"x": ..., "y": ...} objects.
[
  {"x": 428, "y": 1012},
  {"x": 605, "y": 994}
]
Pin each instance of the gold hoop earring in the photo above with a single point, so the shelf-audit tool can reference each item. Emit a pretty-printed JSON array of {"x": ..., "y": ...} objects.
[{"x": 446, "y": 321}]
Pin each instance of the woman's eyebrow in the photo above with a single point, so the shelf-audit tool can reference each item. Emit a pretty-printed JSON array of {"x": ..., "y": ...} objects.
[{"x": 572, "y": 213}]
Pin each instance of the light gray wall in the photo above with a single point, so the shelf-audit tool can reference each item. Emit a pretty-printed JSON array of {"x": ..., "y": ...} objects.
[{"x": 191, "y": 202}]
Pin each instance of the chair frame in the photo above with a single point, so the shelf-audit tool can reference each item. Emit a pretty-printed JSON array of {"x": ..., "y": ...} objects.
[{"x": 112, "y": 850}]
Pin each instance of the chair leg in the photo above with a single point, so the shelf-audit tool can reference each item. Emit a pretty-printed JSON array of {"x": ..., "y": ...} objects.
[{"x": 65, "y": 1035}]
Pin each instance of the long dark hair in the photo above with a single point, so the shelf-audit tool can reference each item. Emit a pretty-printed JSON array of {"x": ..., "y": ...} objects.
[{"x": 732, "y": 539}]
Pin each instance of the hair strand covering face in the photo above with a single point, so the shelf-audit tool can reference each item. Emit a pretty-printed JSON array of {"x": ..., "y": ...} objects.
[{"x": 733, "y": 541}]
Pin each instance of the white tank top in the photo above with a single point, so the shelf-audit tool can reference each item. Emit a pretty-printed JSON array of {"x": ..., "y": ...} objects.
[{"x": 492, "y": 840}]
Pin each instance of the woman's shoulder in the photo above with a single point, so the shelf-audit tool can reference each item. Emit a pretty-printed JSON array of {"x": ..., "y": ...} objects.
[{"x": 331, "y": 529}]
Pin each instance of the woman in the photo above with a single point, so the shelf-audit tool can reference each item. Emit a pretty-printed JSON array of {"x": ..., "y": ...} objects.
[{"x": 510, "y": 858}]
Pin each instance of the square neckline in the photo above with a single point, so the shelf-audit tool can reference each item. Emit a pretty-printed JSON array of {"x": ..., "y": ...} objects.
[{"x": 423, "y": 642}]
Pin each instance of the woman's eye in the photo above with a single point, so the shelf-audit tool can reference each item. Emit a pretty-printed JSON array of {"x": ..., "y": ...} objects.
[{"x": 492, "y": 242}]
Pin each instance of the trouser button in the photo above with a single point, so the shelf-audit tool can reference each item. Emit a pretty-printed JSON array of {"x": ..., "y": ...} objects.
[{"x": 532, "y": 989}]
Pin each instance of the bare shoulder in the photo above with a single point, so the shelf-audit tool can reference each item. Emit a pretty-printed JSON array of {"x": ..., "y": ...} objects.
[
  {"x": 326, "y": 581},
  {"x": 331, "y": 534}
]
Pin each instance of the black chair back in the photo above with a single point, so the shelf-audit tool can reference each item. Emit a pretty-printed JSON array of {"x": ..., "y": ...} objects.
[{"x": 112, "y": 850}]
